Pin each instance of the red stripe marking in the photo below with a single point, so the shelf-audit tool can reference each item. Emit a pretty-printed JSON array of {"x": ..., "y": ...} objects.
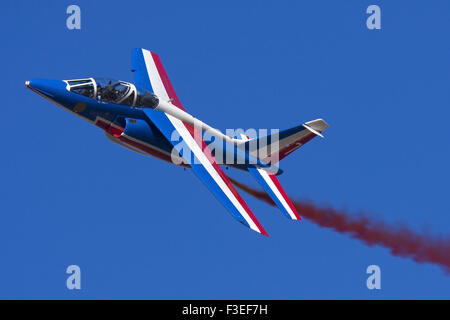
[
  {"x": 175, "y": 101},
  {"x": 115, "y": 131},
  {"x": 110, "y": 127},
  {"x": 166, "y": 82},
  {"x": 102, "y": 124}
]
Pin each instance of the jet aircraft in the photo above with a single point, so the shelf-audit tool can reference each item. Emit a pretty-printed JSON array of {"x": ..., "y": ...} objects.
[{"x": 147, "y": 117}]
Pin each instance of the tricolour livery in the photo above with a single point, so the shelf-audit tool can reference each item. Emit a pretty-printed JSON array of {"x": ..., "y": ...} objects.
[{"x": 147, "y": 117}]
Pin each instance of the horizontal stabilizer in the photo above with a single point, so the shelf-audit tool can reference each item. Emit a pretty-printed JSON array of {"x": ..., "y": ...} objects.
[
  {"x": 273, "y": 148},
  {"x": 272, "y": 186}
]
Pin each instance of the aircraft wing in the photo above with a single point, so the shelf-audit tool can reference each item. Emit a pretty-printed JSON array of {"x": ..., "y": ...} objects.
[{"x": 150, "y": 74}]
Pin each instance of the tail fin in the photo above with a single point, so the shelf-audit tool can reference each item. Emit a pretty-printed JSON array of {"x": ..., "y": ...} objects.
[{"x": 273, "y": 148}]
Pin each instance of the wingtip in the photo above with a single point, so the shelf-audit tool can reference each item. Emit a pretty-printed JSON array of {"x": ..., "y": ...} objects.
[
  {"x": 257, "y": 228},
  {"x": 297, "y": 216}
]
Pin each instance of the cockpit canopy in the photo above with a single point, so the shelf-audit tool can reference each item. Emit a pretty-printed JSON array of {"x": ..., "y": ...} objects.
[{"x": 113, "y": 91}]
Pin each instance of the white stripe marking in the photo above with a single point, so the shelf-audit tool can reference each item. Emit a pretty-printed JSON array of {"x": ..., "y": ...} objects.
[
  {"x": 277, "y": 192},
  {"x": 153, "y": 74},
  {"x": 158, "y": 88}
]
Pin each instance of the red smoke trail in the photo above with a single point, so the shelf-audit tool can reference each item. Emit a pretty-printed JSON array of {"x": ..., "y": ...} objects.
[{"x": 401, "y": 241}]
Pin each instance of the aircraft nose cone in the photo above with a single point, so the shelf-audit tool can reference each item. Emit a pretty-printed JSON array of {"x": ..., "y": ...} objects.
[
  {"x": 38, "y": 84},
  {"x": 46, "y": 87}
]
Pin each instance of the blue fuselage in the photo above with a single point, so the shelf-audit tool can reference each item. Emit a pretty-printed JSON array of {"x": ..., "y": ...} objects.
[{"x": 126, "y": 125}]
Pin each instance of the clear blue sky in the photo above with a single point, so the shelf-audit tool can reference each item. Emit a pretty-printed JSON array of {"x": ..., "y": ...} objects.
[{"x": 141, "y": 228}]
